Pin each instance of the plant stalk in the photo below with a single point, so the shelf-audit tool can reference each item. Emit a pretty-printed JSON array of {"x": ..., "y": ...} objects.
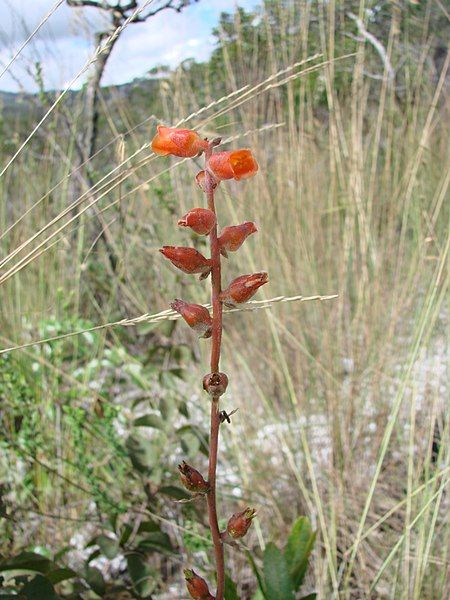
[{"x": 216, "y": 339}]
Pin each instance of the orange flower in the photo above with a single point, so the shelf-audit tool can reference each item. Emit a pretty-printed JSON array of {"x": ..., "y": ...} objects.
[
  {"x": 239, "y": 523},
  {"x": 178, "y": 142},
  {"x": 235, "y": 164},
  {"x": 200, "y": 220},
  {"x": 243, "y": 288},
  {"x": 197, "y": 586},
  {"x": 196, "y": 316},
  {"x": 232, "y": 238},
  {"x": 192, "y": 479},
  {"x": 189, "y": 260}
]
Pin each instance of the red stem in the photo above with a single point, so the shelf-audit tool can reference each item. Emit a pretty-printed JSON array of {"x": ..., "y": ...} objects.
[{"x": 216, "y": 339}]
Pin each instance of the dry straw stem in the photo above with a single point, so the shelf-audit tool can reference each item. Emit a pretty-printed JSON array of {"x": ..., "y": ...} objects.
[{"x": 170, "y": 315}]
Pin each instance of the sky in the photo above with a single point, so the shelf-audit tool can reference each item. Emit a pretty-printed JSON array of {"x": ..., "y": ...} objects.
[{"x": 65, "y": 42}]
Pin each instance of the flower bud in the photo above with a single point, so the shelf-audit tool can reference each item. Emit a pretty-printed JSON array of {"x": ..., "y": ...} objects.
[
  {"x": 240, "y": 522},
  {"x": 188, "y": 260},
  {"x": 200, "y": 220},
  {"x": 196, "y": 316},
  {"x": 178, "y": 142},
  {"x": 232, "y": 238},
  {"x": 215, "y": 384},
  {"x": 243, "y": 288},
  {"x": 192, "y": 479},
  {"x": 196, "y": 586},
  {"x": 234, "y": 164}
]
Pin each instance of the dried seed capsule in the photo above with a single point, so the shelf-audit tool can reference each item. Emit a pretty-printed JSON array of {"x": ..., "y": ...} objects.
[
  {"x": 232, "y": 238},
  {"x": 196, "y": 316},
  {"x": 178, "y": 142},
  {"x": 215, "y": 384},
  {"x": 200, "y": 220},
  {"x": 240, "y": 522},
  {"x": 192, "y": 479},
  {"x": 197, "y": 586},
  {"x": 243, "y": 288},
  {"x": 188, "y": 260},
  {"x": 234, "y": 164}
]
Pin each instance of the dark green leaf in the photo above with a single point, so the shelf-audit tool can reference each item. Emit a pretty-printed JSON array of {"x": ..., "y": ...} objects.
[
  {"x": 300, "y": 543},
  {"x": 230, "y": 591},
  {"x": 312, "y": 596},
  {"x": 39, "y": 588},
  {"x": 256, "y": 572},
  {"x": 174, "y": 492},
  {"x": 276, "y": 575},
  {"x": 157, "y": 541},
  {"x": 28, "y": 561},
  {"x": 154, "y": 421},
  {"x": 95, "y": 580},
  {"x": 140, "y": 575},
  {"x": 125, "y": 534},
  {"x": 148, "y": 527},
  {"x": 58, "y": 575},
  {"x": 108, "y": 546},
  {"x": 198, "y": 433}
]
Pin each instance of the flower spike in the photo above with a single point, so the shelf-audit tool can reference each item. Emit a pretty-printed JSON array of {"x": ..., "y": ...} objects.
[
  {"x": 196, "y": 316},
  {"x": 200, "y": 220},
  {"x": 234, "y": 164},
  {"x": 188, "y": 260},
  {"x": 178, "y": 142},
  {"x": 243, "y": 288},
  {"x": 232, "y": 238}
]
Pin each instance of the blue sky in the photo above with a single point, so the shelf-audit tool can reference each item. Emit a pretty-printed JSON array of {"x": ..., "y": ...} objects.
[{"x": 65, "y": 43}]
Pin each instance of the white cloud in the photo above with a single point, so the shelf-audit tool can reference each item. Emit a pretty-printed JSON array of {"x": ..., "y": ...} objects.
[{"x": 64, "y": 44}]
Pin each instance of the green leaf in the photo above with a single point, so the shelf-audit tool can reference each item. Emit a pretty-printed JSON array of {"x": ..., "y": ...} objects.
[
  {"x": 193, "y": 430},
  {"x": 154, "y": 421},
  {"x": 256, "y": 572},
  {"x": 174, "y": 491},
  {"x": 58, "y": 575},
  {"x": 39, "y": 588},
  {"x": 140, "y": 575},
  {"x": 312, "y": 596},
  {"x": 276, "y": 574},
  {"x": 28, "y": 561},
  {"x": 299, "y": 546},
  {"x": 230, "y": 591},
  {"x": 148, "y": 527},
  {"x": 108, "y": 546},
  {"x": 95, "y": 580},
  {"x": 142, "y": 453},
  {"x": 158, "y": 541},
  {"x": 258, "y": 595}
]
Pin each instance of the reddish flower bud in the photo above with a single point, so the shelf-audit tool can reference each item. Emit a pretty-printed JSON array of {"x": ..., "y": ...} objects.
[
  {"x": 232, "y": 238},
  {"x": 240, "y": 522},
  {"x": 196, "y": 586},
  {"x": 215, "y": 384},
  {"x": 243, "y": 288},
  {"x": 192, "y": 479},
  {"x": 178, "y": 142},
  {"x": 234, "y": 164},
  {"x": 195, "y": 315},
  {"x": 200, "y": 220},
  {"x": 188, "y": 260}
]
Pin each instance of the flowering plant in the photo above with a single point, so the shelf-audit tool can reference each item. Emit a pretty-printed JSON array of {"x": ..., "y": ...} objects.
[{"x": 219, "y": 166}]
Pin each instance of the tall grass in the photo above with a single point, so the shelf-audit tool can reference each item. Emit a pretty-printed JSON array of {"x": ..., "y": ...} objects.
[{"x": 342, "y": 404}]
